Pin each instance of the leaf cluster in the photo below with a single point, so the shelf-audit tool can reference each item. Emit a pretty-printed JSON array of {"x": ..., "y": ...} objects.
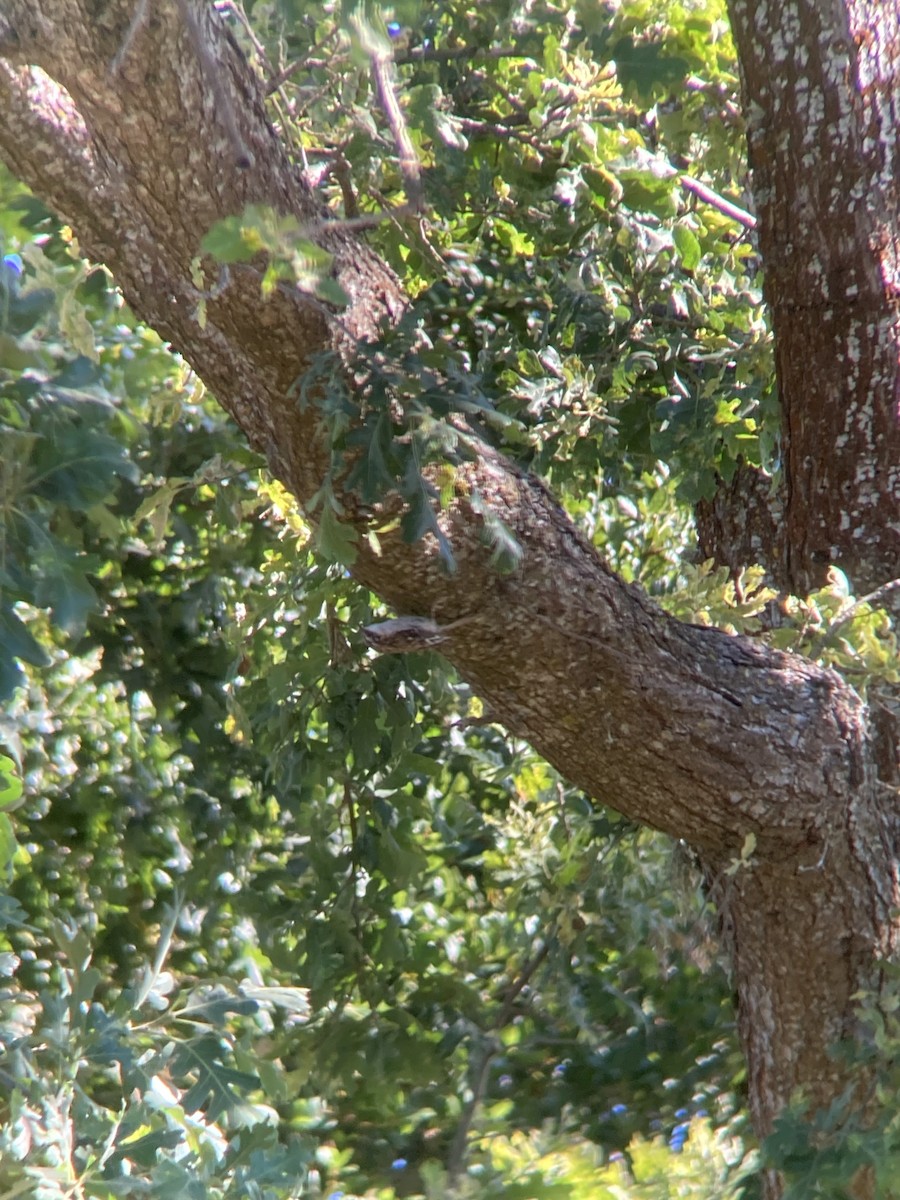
[{"x": 573, "y": 302}]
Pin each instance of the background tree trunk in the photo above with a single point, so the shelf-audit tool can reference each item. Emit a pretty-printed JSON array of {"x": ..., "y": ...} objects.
[
  {"x": 708, "y": 737},
  {"x": 821, "y": 88}
]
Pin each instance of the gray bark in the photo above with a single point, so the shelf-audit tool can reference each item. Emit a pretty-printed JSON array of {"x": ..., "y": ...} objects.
[
  {"x": 705, "y": 736},
  {"x": 821, "y": 96}
]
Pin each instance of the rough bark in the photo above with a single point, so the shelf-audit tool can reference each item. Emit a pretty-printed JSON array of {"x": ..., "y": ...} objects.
[
  {"x": 742, "y": 523},
  {"x": 705, "y": 736},
  {"x": 822, "y": 94}
]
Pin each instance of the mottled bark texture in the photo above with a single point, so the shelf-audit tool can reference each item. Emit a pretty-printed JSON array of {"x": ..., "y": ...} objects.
[
  {"x": 821, "y": 88},
  {"x": 705, "y": 736}
]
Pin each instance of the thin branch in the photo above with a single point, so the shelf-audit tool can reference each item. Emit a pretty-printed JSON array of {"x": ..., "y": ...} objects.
[
  {"x": 240, "y": 16},
  {"x": 527, "y": 972},
  {"x": 453, "y": 53},
  {"x": 150, "y": 975},
  {"x": 401, "y": 58},
  {"x": 457, "y": 1154},
  {"x": 307, "y": 63},
  {"x": 498, "y": 130},
  {"x": 408, "y": 161},
  {"x": 848, "y": 614},
  {"x": 708, "y": 196},
  {"x": 140, "y": 16},
  {"x": 242, "y": 155},
  {"x": 368, "y": 220},
  {"x": 338, "y": 168}
]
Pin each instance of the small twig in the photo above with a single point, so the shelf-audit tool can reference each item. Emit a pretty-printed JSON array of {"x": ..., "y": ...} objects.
[
  {"x": 338, "y": 646},
  {"x": 140, "y": 16},
  {"x": 163, "y": 946},
  {"x": 425, "y": 246},
  {"x": 308, "y": 63},
  {"x": 708, "y": 196},
  {"x": 240, "y": 16},
  {"x": 279, "y": 80},
  {"x": 408, "y": 162},
  {"x": 299, "y": 64},
  {"x": 354, "y": 828},
  {"x": 561, "y": 804},
  {"x": 497, "y": 130},
  {"x": 849, "y": 613},
  {"x": 243, "y": 157},
  {"x": 402, "y": 58},
  {"x": 340, "y": 170},
  {"x": 457, "y": 1154},
  {"x": 367, "y": 220},
  {"x": 524, "y": 977},
  {"x": 452, "y": 53}
]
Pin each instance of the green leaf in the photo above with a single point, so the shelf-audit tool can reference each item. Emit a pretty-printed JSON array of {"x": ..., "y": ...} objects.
[
  {"x": 335, "y": 539},
  {"x": 232, "y": 240},
  {"x": 26, "y": 310},
  {"x": 647, "y": 67},
  {"x": 8, "y": 847},
  {"x": 330, "y": 291},
  {"x": 79, "y": 466},
  {"x": 215, "y": 1004},
  {"x": 506, "y": 551},
  {"x": 16, "y": 641},
  {"x": 11, "y": 788},
  {"x": 420, "y": 519},
  {"x": 218, "y": 1088},
  {"x": 372, "y": 476},
  {"x": 688, "y": 246},
  {"x": 63, "y": 587},
  {"x": 155, "y": 508},
  {"x": 294, "y": 1000}
]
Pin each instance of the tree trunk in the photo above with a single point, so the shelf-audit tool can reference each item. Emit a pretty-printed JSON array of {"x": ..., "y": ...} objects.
[
  {"x": 708, "y": 737},
  {"x": 821, "y": 91}
]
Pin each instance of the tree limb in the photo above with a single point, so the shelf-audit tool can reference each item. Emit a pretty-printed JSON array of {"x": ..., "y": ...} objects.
[
  {"x": 727, "y": 207},
  {"x": 705, "y": 736}
]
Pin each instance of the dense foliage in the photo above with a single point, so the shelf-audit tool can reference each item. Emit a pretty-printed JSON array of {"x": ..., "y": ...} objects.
[{"x": 285, "y": 917}]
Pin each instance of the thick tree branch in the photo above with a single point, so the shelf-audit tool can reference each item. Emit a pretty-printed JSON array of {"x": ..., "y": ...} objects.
[
  {"x": 52, "y": 144},
  {"x": 563, "y": 632},
  {"x": 705, "y": 736}
]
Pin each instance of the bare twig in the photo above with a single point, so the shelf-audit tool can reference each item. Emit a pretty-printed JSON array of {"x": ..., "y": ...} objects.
[
  {"x": 242, "y": 155},
  {"x": 307, "y": 63},
  {"x": 453, "y": 53},
  {"x": 524, "y": 976},
  {"x": 409, "y": 163},
  {"x": 456, "y": 1156},
  {"x": 240, "y": 16},
  {"x": 425, "y": 247},
  {"x": 849, "y": 613},
  {"x": 340, "y": 170},
  {"x": 293, "y": 68},
  {"x": 402, "y": 58},
  {"x": 708, "y": 196},
  {"x": 504, "y": 129},
  {"x": 140, "y": 16},
  {"x": 367, "y": 220}
]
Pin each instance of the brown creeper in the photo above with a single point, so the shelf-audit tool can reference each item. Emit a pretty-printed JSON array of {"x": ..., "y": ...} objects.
[{"x": 401, "y": 635}]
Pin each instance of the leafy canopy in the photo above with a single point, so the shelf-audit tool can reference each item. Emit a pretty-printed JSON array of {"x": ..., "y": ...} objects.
[{"x": 283, "y": 915}]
